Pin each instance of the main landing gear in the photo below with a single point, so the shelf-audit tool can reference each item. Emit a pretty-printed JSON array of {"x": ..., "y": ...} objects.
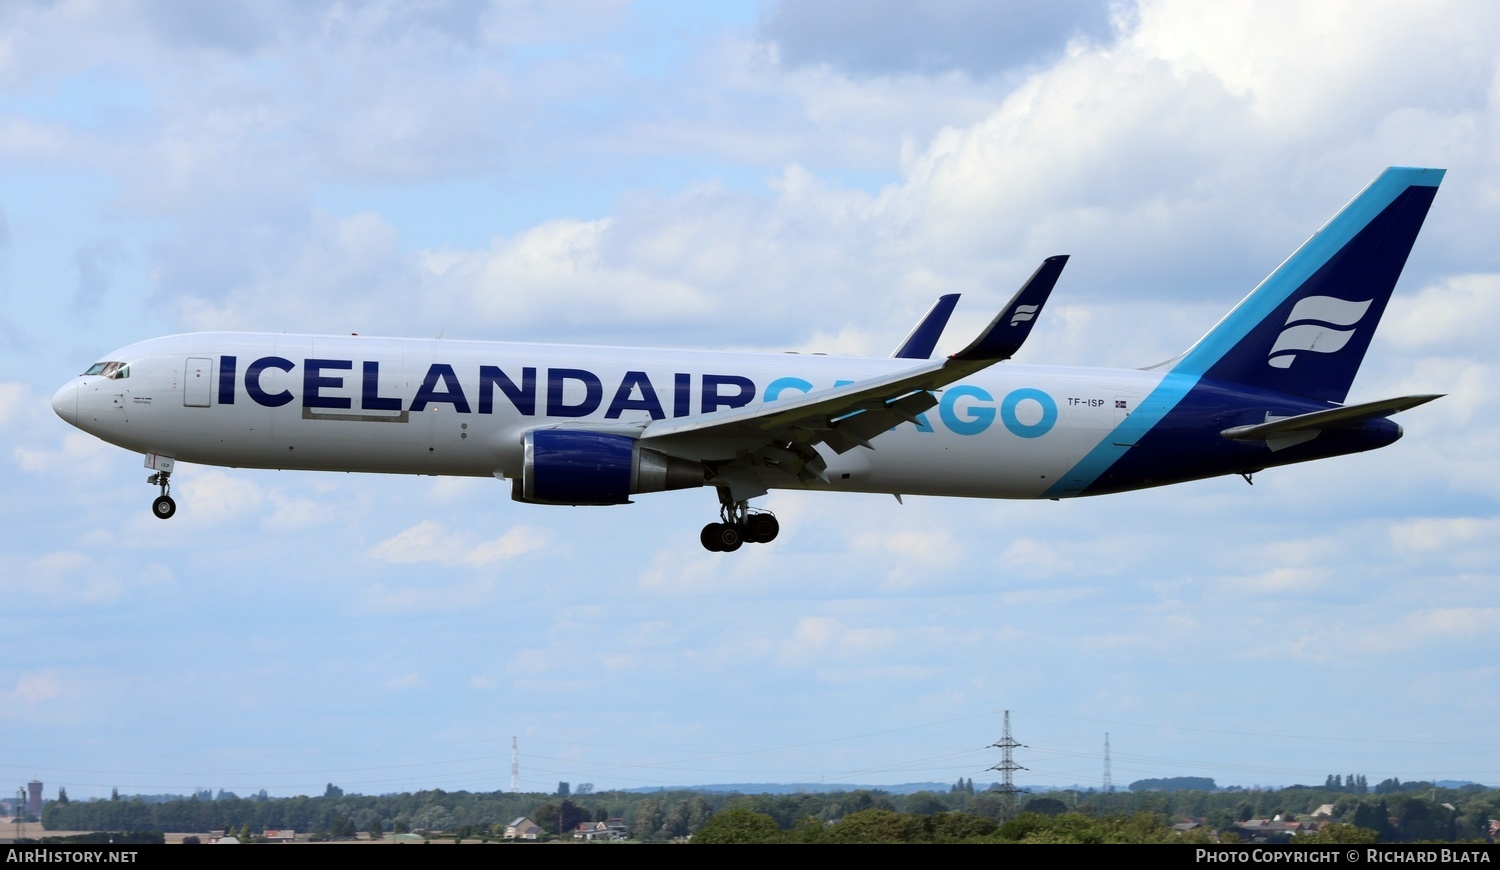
[
  {"x": 739, "y": 526},
  {"x": 163, "y": 506}
]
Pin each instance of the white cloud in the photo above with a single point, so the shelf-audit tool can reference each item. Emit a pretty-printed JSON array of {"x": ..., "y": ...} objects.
[
  {"x": 64, "y": 580},
  {"x": 79, "y": 454},
  {"x": 1456, "y": 316},
  {"x": 1439, "y": 533},
  {"x": 34, "y": 688},
  {"x": 15, "y": 399},
  {"x": 819, "y": 638},
  {"x": 428, "y": 542},
  {"x": 217, "y": 497},
  {"x": 1455, "y": 623}
]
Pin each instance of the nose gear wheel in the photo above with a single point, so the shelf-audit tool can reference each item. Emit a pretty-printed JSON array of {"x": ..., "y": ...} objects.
[{"x": 162, "y": 506}]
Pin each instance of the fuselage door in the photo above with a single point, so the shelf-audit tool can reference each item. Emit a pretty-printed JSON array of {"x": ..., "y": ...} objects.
[{"x": 197, "y": 382}]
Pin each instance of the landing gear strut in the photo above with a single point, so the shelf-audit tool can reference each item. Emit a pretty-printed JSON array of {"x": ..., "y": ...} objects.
[
  {"x": 739, "y": 526},
  {"x": 163, "y": 506}
]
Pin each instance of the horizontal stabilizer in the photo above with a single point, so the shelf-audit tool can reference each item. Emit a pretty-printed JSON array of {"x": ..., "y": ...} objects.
[
  {"x": 1008, "y": 331},
  {"x": 1329, "y": 419},
  {"x": 923, "y": 338}
]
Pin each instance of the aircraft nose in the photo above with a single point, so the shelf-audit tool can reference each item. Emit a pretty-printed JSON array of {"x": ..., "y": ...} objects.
[{"x": 65, "y": 402}]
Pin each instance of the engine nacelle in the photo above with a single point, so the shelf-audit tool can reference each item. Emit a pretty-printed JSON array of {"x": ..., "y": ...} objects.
[{"x": 568, "y": 466}]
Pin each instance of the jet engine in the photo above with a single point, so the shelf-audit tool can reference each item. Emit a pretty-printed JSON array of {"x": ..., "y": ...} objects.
[{"x": 568, "y": 466}]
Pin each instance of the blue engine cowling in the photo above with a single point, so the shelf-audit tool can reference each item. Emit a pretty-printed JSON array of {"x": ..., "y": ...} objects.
[{"x": 568, "y": 466}]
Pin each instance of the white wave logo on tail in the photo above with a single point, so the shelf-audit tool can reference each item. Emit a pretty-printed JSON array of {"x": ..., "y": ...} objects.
[
  {"x": 1022, "y": 312},
  {"x": 1312, "y": 327}
]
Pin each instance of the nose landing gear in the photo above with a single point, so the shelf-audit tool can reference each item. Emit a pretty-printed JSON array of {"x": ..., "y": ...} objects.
[{"x": 163, "y": 506}]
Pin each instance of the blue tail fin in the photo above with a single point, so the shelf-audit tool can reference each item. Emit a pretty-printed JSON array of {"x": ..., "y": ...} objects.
[{"x": 1306, "y": 328}]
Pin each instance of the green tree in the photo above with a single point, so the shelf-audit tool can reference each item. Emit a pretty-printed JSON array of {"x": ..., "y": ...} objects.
[
  {"x": 925, "y": 803},
  {"x": 698, "y": 811},
  {"x": 946, "y": 827},
  {"x": 546, "y": 818},
  {"x": 649, "y": 818},
  {"x": 875, "y": 826},
  {"x": 62, "y": 795},
  {"x": 738, "y": 826},
  {"x": 571, "y": 816},
  {"x": 333, "y": 791},
  {"x": 1417, "y": 819},
  {"x": 1046, "y": 806},
  {"x": 677, "y": 823},
  {"x": 808, "y": 829}
]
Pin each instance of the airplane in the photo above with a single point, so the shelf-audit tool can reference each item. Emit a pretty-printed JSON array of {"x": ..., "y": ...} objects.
[{"x": 570, "y": 425}]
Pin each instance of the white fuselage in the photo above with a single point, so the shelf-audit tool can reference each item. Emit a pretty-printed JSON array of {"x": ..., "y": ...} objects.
[{"x": 413, "y": 406}]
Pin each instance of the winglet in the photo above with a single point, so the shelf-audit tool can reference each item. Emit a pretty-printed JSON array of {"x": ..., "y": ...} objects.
[
  {"x": 924, "y": 336},
  {"x": 1008, "y": 331}
]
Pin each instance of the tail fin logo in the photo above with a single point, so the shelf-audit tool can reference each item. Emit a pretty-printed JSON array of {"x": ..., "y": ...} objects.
[
  {"x": 1312, "y": 327},
  {"x": 1023, "y": 313}
]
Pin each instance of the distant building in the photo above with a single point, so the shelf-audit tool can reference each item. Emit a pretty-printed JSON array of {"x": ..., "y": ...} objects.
[
  {"x": 523, "y": 829},
  {"x": 1277, "y": 830},
  {"x": 280, "y": 836},
  {"x": 34, "y": 797},
  {"x": 614, "y": 829}
]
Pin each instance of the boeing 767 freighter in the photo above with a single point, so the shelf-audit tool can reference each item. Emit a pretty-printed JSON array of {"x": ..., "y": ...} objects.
[{"x": 572, "y": 425}]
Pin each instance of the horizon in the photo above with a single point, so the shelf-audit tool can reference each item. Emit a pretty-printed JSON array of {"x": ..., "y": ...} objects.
[{"x": 761, "y": 176}]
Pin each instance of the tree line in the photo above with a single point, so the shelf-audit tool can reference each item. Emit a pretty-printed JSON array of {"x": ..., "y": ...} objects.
[{"x": 1415, "y": 811}]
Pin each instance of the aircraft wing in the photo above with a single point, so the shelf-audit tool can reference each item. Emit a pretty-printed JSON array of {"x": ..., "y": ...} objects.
[{"x": 784, "y": 432}]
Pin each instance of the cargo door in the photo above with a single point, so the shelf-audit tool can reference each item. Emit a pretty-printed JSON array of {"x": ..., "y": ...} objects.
[{"x": 197, "y": 382}]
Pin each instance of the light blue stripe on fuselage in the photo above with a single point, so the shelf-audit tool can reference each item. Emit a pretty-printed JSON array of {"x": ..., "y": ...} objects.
[{"x": 1172, "y": 389}]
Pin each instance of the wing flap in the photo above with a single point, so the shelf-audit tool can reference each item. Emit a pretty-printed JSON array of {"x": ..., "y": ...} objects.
[{"x": 860, "y": 428}]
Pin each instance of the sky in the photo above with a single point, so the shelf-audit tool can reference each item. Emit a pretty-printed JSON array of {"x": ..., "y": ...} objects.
[{"x": 758, "y": 176}]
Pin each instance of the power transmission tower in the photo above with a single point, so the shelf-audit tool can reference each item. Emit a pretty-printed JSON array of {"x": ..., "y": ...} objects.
[
  {"x": 515, "y": 767},
  {"x": 1007, "y": 767},
  {"x": 1109, "y": 786}
]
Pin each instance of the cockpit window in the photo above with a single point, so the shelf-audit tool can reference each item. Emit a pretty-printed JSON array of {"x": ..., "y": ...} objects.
[{"x": 113, "y": 369}]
